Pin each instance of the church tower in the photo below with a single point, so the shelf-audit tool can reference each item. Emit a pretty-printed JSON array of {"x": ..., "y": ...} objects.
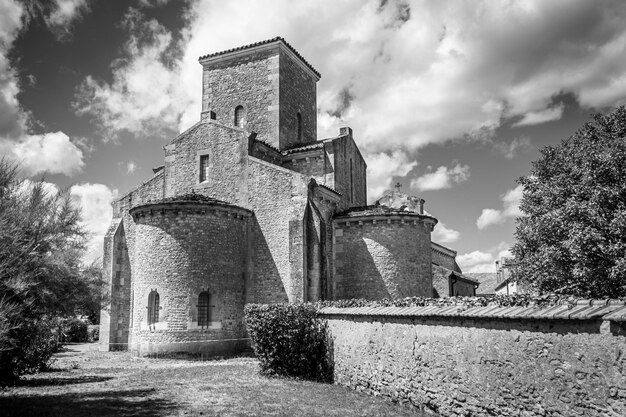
[{"x": 267, "y": 88}]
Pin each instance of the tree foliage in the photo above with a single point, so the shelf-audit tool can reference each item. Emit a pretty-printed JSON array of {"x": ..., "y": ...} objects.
[
  {"x": 571, "y": 238},
  {"x": 41, "y": 274}
]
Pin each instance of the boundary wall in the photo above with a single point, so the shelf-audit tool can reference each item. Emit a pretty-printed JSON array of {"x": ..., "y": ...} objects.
[{"x": 564, "y": 360}]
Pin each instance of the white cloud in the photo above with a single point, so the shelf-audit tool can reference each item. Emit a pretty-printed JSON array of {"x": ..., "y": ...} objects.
[
  {"x": 65, "y": 11},
  {"x": 510, "y": 209},
  {"x": 382, "y": 167},
  {"x": 95, "y": 201},
  {"x": 441, "y": 178},
  {"x": 50, "y": 152},
  {"x": 132, "y": 102},
  {"x": 489, "y": 217},
  {"x": 476, "y": 261},
  {"x": 541, "y": 116},
  {"x": 418, "y": 72},
  {"x": 443, "y": 234}
]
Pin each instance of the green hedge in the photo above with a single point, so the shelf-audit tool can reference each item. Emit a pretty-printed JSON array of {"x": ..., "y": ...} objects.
[
  {"x": 499, "y": 300},
  {"x": 290, "y": 340}
]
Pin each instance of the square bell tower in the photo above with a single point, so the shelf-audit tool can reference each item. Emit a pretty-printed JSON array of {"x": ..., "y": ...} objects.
[{"x": 267, "y": 88}]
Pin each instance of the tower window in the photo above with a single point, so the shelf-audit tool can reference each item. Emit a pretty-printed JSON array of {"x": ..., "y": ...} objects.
[
  {"x": 204, "y": 168},
  {"x": 239, "y": 116},
  {"x": 299, "y": 120},
  {"x": 153, "y": 308},
  {"x": 351, "y": 183},
  {"x": 204, "y": 309}
]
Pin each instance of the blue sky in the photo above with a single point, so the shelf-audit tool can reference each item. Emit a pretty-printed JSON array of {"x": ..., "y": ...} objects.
[{"x": 451, "y": 99}]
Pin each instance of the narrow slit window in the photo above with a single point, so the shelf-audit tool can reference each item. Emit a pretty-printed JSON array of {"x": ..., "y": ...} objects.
[
  {"x": 204, "y": 311},
  {"x": 239, "y": 116},
  {"x": 351, "y": 183},
  {"x": 153, "y": 307},
  {"x": 299, "y": 120},
  {"x": 204, "y": 168}
]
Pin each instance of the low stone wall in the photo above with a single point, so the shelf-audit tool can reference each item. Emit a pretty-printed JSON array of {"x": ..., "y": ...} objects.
[{"x": 487, "y": 361}]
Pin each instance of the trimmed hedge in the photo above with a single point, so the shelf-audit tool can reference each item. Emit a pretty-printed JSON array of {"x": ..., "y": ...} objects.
[
  {"x": 522, "y": 300},
  {"x": 290, "y": 340}
]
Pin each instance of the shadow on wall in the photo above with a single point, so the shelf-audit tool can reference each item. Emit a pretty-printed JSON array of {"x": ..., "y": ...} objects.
[
  {"x": 267, "y": 285},
  {"x": 362, "y": 276}
]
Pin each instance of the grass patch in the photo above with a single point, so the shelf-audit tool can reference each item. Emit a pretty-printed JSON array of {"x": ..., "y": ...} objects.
[{"x": 93, "y": 383}]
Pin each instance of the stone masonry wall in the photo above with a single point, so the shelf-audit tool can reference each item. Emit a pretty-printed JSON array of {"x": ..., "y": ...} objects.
[
  {"x": 298, "y": 93},
  {"x": 250, "y": 80},
  {"x": 181, "y": 252},
  {"x": 278, "y": 198},
  {"x": 382, "y": 258},
  {"x": 443, "y": 259},
  {"x": 483, "y": 366},
  {"x": 227, "y": 149},
  {"x": 117, "y": 257},
  {"x": 351, "y": 183}
]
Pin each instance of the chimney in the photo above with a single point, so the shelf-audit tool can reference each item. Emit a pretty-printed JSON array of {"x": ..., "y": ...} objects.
[{"x": 343, "y": 131}]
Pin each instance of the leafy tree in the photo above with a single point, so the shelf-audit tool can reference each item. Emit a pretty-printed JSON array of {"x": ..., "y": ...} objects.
[
  {"x": 571, "y": 238},
  {"x": 41, "y": 275}
]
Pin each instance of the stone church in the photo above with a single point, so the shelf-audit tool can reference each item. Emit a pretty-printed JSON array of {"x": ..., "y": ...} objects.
[{"x": 250, "y": 207}]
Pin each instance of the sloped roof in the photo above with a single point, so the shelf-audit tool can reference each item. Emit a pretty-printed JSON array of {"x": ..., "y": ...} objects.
[
  {"x": 261, "y": 43},
  {"x": 488, "y": 281},
  {"x": 583, "y": 309}
]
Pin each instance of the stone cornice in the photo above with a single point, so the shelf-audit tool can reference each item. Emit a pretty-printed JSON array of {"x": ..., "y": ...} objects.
[{"x": 189, "y": 207}]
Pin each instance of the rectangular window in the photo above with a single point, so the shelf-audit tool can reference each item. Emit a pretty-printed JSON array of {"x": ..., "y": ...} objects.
[{"x": 204, "y": 168}]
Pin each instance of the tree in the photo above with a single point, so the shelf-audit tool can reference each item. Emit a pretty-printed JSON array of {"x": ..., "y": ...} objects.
[
  {"x": 571, "y": 238},
  {"x": 41, "y": 244}
]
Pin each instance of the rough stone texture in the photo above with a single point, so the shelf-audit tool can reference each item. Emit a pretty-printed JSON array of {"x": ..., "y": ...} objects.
[
  {"x": 447, "y": 283},
  {"x": 349, "y": 171},
  {"x": 271, "y": 86},
  {"x": 485, "y": 366},
  {"x": 386, "y": 256},
  {"x": 278, "y": 245},
  {"x": 178, "y": 259},
  {"x": 249, "y": 80},
  {"x": 227, "y": 150},
  {"x": 298, "y": 94},
  {"x": 444, "y": 257}
]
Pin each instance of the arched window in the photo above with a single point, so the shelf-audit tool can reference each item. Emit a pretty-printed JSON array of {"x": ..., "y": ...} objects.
[
  {"x": 299, "y": 120},
  {"x": 204, "y": 309},
  {"x": 239, "y": 116},
  {"x": 153, "y": 308}
]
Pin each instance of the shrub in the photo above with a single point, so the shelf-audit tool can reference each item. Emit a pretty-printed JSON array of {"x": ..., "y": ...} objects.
[
  {"x": 38, "y": 341},
  {"x": 74, "y": 330},
  {"x": 93, "y": 333},
  {"x": 290, "y": 340}
]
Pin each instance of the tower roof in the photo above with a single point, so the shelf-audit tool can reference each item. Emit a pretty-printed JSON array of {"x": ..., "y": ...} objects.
[{"x": 276, "y": 40}]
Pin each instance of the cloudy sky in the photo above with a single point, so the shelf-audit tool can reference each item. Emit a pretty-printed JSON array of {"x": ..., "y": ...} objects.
[{"x": 451, "y": 99}]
